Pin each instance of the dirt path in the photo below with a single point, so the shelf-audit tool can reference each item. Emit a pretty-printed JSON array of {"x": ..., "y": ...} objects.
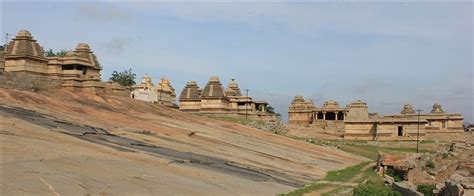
[{"x": 359, "y": 175}]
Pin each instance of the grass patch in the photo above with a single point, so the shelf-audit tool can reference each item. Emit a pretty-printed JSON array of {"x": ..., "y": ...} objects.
[
  {"x": 374, "y": 189},
  {"x": 334, "y": 191},
  {"x": 346, "y": 174},
  {"x": 362, "y": 148},
  {"x": 370, "y": 175},
  {"x": 427, "y": 142},
  {"x": 342, "y": 175},
  {"x": 371, "y": 152},
  {"x": 307, "y": 189}
]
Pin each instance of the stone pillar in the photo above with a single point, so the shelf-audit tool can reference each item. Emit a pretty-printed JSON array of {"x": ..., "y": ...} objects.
[
  {"x": 336, "y": 114},
  {"x": 324, "y": 115}
]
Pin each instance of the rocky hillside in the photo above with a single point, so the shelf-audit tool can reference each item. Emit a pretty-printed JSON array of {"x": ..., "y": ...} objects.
[{"x": 65, "y": 143}]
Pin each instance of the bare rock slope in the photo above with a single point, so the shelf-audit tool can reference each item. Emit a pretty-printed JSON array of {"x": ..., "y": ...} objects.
[{"x": 64, "y": 143}]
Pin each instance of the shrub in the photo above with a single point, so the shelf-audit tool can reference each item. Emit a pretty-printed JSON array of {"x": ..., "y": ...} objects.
[
  {"x": 426, "y": 189},
  {"x": 445, "y": 155},
  {"x": 430, "y": 164},
  {"x": 371, "y": 190},
  {"x": 391, "y": 173}
]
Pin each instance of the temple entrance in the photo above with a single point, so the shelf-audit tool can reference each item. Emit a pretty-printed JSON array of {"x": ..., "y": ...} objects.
[
  {"x": 320, "y": 115},
  {"x": 400, "y": 130},
  {"x": 340, "y": 116},
  {"x": 330, "y": 116}
]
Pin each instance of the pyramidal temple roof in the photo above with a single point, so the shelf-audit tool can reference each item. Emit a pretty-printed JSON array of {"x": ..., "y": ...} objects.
[
  {"x": 190, "y": 92},
  {"x": 83, "y": 50},
  {"x": 23, "y": 45},
  {"x": 213, "y": 89},
  {"x": 233, "y": 88}
]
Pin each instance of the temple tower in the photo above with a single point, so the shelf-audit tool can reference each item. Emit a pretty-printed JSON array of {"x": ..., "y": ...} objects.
[
  {"x": 300, "y": 112},
  {"x": 437, "y": 109},
  {"x": 24, "y": 54},
  {"x": 190, "y": 97},
  {"x": 213, "y": 97},
  {"x": 407, "y": 110},
  {"x": 358, "y": 111},
  {"x": 233, "y": 89}
]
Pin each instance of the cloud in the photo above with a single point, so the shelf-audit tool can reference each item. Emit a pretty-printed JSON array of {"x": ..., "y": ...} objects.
[
  {"x": 310, "y": 18},
  {"x": 368, "y": 87},
  {"x": 102, "y": 12},
  {"x": 117, "y": 45}
]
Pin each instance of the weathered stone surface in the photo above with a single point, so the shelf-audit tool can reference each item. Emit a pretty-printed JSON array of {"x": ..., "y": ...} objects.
[
  {"x": 452, "y": 189},
  {"x": 406, "y": 188}
]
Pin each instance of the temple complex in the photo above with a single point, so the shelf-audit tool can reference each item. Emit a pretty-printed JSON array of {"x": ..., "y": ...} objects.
[
  {"x": 214, "y": 99},
  {"x": 78, "y": 70},
  {"x": 329, "y": 116},
  {"x": 162, "y": 93},
  {"x": 355, "y": 122}
]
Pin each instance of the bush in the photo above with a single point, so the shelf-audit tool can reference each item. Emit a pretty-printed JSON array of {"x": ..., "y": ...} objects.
[
  {"x": 372, "y": 190},
  {"x": 426, "y": 189},
  {"x": 391, "y": 173},
  {"x": 430, "y": 164},
  {"x": 445, "y": 155}
]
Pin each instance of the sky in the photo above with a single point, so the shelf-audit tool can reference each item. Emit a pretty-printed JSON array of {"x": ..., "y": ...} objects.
[{"x": 385, "y": 53}]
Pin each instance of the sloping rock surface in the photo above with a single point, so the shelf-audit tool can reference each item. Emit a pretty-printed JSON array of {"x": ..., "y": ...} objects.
[{"x": 65, "y": 143}]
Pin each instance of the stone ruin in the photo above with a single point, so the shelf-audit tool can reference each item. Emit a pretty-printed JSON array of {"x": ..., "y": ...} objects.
[
  {"x": 355, "y": 122},
  {"x": 24, "y": 66},
  {"x": 214, "y": 99},
  {"x": 162, "y": 93}
]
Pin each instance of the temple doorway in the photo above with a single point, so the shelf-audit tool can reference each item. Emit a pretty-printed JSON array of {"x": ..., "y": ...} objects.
[
  {"x": 400, "y": 130},
  {"x": 340, "y": 116},
  {"x": 330, "y": 116},
  {"x": 320, "y": 115}
]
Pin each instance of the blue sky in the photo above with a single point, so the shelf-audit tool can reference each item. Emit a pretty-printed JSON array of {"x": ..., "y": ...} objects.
[{"x": 387, "y": 54}]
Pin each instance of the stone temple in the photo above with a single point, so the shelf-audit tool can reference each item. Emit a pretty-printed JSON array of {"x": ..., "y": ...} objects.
[
  {"x": 214, "y": 99},
  {"x": 24, "y": 64},
  {"x": 355, "y": 122},
  {"x": 162, "y": 93}
]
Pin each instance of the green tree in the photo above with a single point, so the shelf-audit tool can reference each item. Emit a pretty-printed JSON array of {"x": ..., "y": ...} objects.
[
  {"x": 124, "y": 78},
  {"x": 2, "y": 48},
  {"x": 271, "y": 110},
  {"x": 61, "y": 53},
  {"x": 51, "y": 53}
]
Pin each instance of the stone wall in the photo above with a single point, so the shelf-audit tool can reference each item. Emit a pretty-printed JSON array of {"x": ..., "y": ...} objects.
[
  {"x": 29, "y": 82},
  {"x": 190, "y": 106},
  {"x": 34, "y": 82},
  {"x": 299, "y": 118},
  {"x": 406, "y": 188},
  {"x": 360, "y": 130}
]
